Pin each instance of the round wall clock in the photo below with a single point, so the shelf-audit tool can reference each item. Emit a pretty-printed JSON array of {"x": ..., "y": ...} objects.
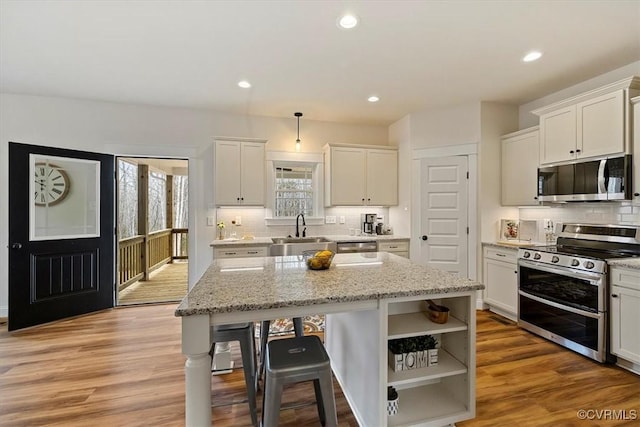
[{"x": 52, "y": 184}]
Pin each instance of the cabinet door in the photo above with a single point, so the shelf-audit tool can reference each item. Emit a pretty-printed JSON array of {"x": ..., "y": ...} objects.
[
  {"x": 252, "y": 174},
  {"x": 520, "y": 170},
  {"x": 636, "y": 150},
  {"x": 382, "y": 177},
  {"x": 501, "y": 281},
  {"x": 601, "y": 125},
  {"x": 348, "y": 175},
  {"x": 558, "y": 135},
  {"x": 227, "y": 172},
  {"x": 625, "y": 318}
]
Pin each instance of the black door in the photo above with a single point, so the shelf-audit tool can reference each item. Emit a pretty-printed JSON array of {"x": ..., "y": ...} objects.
[{"x": 61, "y": 233}]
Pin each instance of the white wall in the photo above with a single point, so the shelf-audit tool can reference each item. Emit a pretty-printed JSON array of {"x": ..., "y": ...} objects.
[
  {"x": 527, "y": 119},
  {"x": 124, "y": 129},
  {"x": 400, "y": 216},
  {"x": 454, "y": 125}
]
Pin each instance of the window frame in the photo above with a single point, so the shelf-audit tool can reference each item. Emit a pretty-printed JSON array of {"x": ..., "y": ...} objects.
[{"x": 275, "y": 159}]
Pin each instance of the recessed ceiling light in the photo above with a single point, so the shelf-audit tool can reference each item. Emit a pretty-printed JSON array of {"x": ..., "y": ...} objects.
[
  {"x": 244, "y": 84},
  {"x": 373, "y": 99},
  {"x": 532, "y": 56},
  {"x": 348, "y": 21}
]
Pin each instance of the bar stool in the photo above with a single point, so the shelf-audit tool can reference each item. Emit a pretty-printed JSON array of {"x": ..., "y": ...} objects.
[
  {"x": 244, "y": 333},
  {"x": 298, "y": 327},
  {"x": 293, "y": 360}
]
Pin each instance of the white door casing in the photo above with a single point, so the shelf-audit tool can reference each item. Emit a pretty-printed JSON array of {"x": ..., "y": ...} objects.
[{"x": 444, "y": 216}]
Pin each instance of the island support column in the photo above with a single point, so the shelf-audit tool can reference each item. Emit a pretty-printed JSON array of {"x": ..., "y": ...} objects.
[{"x": 196, "y": 342}]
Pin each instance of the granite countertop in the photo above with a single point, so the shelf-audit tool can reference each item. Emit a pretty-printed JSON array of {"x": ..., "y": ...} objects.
[
  {"x": 246, "y": 284},
  {"x": 265, "y": 241},
  {"x": 514, "y": 244},
  {"x": 631, "y": 263}
]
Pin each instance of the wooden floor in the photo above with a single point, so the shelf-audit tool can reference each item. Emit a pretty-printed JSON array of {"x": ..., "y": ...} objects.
[
  {"x": 168, "y": 283},
  {"x": 123, "y": 367}
]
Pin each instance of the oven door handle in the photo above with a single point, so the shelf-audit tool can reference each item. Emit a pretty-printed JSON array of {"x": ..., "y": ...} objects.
[
  {"x": 594, "y": 278},
  {"x": 561, "y": 306}
]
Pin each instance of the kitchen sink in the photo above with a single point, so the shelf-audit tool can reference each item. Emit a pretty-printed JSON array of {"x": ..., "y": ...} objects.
[
  {"x": 281, "y": 240},
  {"x": 283, "y": 246}
]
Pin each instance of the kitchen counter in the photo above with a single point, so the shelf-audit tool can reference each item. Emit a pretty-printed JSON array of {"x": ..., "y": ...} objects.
[
  {"x": 266, "y": 241},
  {"x": 513, "y": 244},
  {"x": 357, "y": 289},
  {"x": 241, "y": 284},
  {"x": 630, "y": 263}
]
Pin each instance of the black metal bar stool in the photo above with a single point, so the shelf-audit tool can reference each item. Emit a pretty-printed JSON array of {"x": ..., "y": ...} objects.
[
  {"x": 293, "y": 360},
  {"x": 245, "y": 334}
]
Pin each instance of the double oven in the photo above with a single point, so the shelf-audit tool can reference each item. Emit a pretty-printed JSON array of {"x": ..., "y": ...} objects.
[{"x": 563, "y": 290}]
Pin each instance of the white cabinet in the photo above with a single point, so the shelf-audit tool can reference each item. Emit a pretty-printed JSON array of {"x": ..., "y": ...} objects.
[
  {"x": 519, "y": 157},
  {"x": 625, "y": 314},
  {"x": 442, "y": 394},
  {"x": 590, "y": 125},
  {"x": 240, "y": 172},
  {"x": 636, "y": 148},
  {"x": 357, "y": 176},
  {"x": 501, "y": 281},
  {"x": 237, "y": 252},
  {"x": 396, "y": 247},
  {"x": 590, "y": 128}
]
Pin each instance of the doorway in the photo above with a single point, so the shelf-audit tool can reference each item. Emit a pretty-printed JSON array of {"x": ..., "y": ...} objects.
[{"x": 152, "y": 230}]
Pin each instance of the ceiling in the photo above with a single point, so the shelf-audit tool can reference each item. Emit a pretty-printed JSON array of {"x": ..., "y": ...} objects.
[{"x": 414, "y": 55}]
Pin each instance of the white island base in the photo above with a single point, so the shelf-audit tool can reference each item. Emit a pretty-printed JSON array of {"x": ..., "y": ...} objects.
[{"x": 433, "y": 396}]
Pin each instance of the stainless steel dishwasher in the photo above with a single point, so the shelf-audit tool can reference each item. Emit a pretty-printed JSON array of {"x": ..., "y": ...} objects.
[{"x": 354, "y": 247}]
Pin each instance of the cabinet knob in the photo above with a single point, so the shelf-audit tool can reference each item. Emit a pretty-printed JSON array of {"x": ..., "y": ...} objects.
[
  {"x": 535, "y": 197},
  {"x": 636, "y": 194},
  {"x": 516, "y": 271},
  {"x": 578, "y": 150},
  {"x": 424, "y": 237},
  {"x": 614, "y": 295},
  {"x": 571, "y": 152}
]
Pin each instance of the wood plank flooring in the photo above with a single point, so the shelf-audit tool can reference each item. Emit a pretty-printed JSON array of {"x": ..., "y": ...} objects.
[
  {"x": 168, "y": 283},
  {"x": 123, "y": 367}
]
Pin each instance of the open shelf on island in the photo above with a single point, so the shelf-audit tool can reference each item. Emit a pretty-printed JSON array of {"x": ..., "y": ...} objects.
[
  {"x": 426, "y": 405},
  {"x": 447, "y": 366},
  {"x": 414, "y": 324}
]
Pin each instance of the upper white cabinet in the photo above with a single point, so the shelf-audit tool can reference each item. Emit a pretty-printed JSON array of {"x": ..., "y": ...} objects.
[
  {"x": 360, "y": 176},
  {"x": 520, "y": 167},
  {"x": 593, "y": 124},
  {"x": 239, "y": 172}
]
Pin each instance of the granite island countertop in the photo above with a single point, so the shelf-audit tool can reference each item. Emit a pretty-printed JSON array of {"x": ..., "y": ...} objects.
[{"x": 261, "y": 283}]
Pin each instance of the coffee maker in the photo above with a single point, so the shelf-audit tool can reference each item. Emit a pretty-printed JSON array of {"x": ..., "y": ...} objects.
[{"x": 368, "y": 223}]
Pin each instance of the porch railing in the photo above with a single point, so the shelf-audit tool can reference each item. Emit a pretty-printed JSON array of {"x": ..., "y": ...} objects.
[{"x": 138, "y": 256}]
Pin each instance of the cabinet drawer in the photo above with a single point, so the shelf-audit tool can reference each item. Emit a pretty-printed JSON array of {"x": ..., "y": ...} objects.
[
  {"x": 625, "y": 278},
  {"x": 240, "y": 252},
  {"x": 506, "y": 255},
  {"x": 402, "y": 246}
]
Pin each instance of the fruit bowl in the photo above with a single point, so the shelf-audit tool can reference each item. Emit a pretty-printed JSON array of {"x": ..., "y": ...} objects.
[{"x": 320, "y": 260}]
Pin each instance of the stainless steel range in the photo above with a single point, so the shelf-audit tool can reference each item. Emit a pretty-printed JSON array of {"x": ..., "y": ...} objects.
[{"x": 563, "y": 290}]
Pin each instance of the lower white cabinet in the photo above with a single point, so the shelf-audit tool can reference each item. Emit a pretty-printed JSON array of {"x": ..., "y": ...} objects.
[
  {"x": 625, "y": 314},
  {"x": 396, "y": 247},
  {"x": 254, "y": 251},
  {"x": 501, "y": 281}
]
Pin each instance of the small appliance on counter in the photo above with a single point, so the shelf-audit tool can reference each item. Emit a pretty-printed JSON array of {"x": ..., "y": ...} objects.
[{"x": 368, "y": 223}]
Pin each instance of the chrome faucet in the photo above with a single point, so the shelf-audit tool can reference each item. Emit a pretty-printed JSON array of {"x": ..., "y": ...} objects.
[{"x": 304, "y": 232}]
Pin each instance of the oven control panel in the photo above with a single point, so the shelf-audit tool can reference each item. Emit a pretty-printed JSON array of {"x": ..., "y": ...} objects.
[{"x": 563, "y": 260}]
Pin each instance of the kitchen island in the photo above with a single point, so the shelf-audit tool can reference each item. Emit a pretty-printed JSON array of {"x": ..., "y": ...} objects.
[{"x": 367, "y": 298}]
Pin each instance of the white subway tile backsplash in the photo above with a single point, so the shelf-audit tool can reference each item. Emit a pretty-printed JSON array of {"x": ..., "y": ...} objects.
[{"x": 598, "y": 213}]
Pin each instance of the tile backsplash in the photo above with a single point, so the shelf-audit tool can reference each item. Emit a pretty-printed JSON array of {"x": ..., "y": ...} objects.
[
  {"x": 253, "y": 221},
  {"x": 588, "y": 213}
]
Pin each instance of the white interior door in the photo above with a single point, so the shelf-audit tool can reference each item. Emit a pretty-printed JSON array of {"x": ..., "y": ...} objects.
[{"x": 444, "y": 208}]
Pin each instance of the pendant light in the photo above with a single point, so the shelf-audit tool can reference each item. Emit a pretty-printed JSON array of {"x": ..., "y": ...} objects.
[{"x": 298, "y": 115}]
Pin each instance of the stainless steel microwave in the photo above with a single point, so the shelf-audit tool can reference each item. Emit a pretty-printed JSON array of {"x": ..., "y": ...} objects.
[{"x": 587, "y": 180}]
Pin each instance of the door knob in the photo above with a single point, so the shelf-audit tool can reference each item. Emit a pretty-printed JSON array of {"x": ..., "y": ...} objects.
[
  {"x": 424, "y": 237},
  {"x": 16, "y": 246}
]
